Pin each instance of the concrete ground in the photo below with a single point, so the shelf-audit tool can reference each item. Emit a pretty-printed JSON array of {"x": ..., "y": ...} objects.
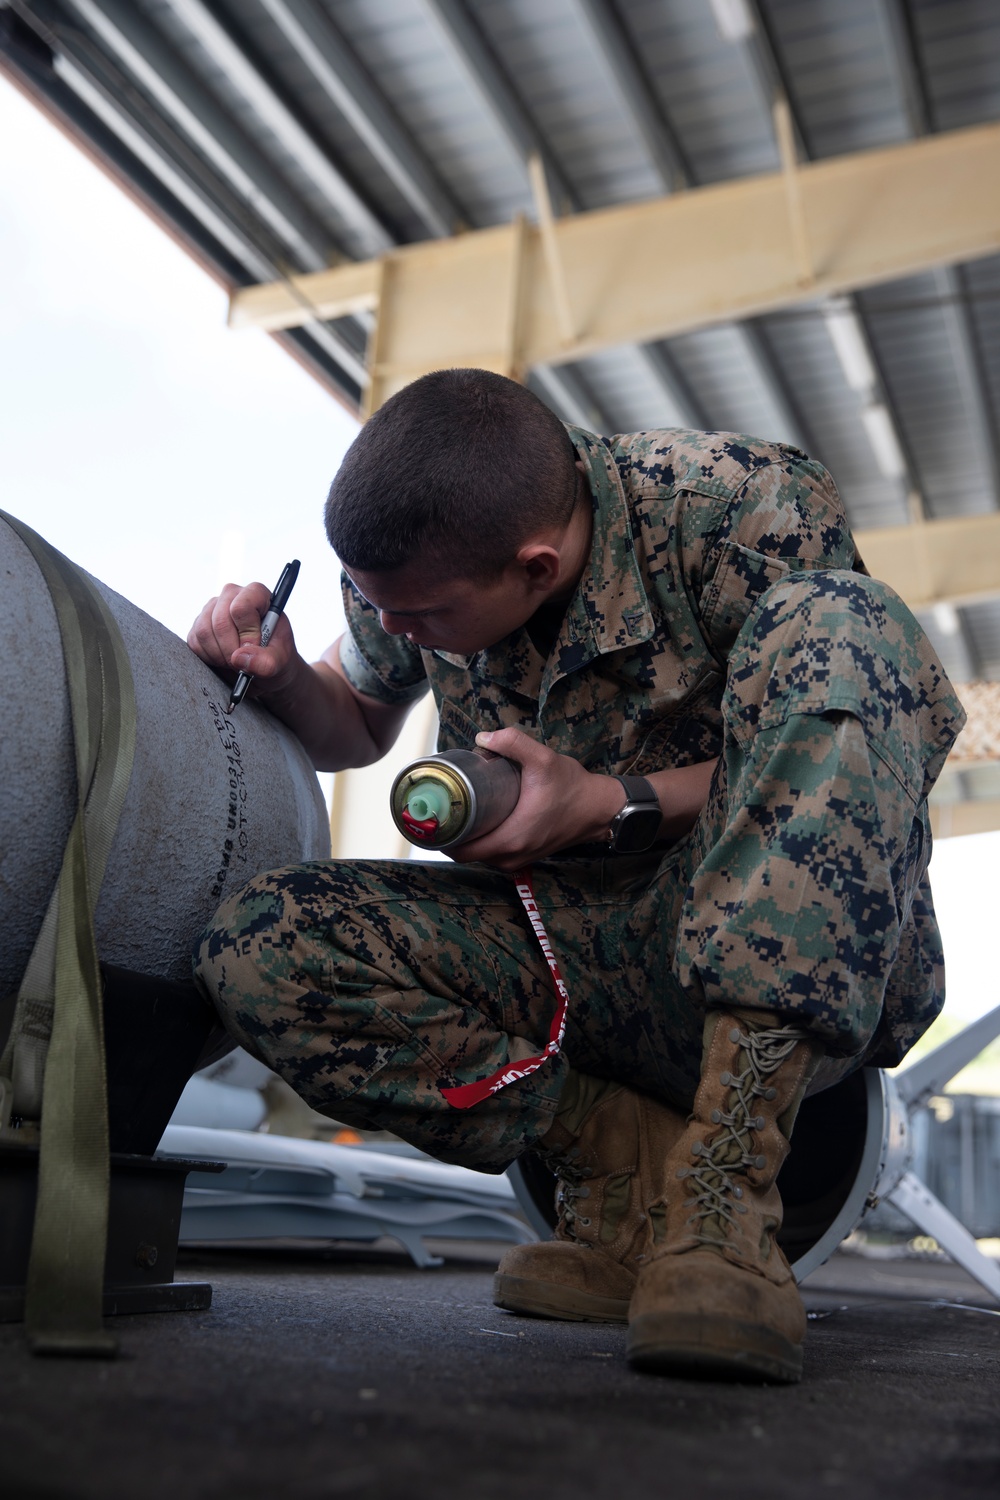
[{"x": 339, "y": 1373}]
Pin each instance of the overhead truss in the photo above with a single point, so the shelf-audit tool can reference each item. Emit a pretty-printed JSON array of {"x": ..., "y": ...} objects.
[
  {"x": 520, "y": 295},
  {"x": 954, "y": 560}
]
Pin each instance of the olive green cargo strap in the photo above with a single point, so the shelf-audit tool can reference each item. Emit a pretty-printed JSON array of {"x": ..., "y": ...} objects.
[{"x": 55, "y": 1055}]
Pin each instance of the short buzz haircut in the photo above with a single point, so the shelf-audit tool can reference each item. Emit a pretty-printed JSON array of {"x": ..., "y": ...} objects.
[{"x": 459, "y": 468}]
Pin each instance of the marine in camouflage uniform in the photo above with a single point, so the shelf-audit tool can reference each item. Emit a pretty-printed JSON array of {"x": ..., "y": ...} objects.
[{"x": 724, "y": 613}]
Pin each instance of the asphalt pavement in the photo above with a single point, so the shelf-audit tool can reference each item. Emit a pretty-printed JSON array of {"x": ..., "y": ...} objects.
[{"x": 337, "y": 1373}]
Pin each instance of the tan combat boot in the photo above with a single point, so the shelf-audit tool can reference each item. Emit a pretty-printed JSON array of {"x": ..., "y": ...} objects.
[
  {"x": 607, "y": 1146},
  {"x": 716, "y": 1296}
]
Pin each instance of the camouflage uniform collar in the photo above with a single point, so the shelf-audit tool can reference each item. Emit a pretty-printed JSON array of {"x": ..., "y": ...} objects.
[
  {"x": 609, "y": 609},
  {"x": 611, "y": 600}
]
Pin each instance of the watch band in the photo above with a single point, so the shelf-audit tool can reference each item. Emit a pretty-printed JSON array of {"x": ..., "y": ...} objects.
[
  {"x": 635, "y": 828},
  {"x": 638, "y": 789}
]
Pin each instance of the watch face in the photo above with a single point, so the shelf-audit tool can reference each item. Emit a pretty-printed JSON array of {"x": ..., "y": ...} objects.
[{"x": 637, "y": 830}]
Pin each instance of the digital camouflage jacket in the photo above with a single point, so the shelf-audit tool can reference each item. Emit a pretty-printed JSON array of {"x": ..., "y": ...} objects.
[{"x": 690, "y": 528}]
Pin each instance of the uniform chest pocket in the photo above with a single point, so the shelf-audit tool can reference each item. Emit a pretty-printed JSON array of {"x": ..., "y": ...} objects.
[
  {"x": 456, "y": 731},
  {"x": 740, "y": 579}
]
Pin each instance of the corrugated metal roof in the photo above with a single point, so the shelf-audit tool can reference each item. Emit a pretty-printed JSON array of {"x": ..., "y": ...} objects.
[
  {"x": 835, "y": 56},
  {"x": 806, "y": 356},
  {"x": 918, "y": 360},
  {"x": 959, "y": 46},
  {"x": 623, "y": 98},
  {"x": 706, "y": 88},
  {"x": 550, "y": 57}
]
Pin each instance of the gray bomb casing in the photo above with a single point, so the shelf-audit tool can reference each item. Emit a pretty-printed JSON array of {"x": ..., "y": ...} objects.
[{"x": 213, "y": 800}]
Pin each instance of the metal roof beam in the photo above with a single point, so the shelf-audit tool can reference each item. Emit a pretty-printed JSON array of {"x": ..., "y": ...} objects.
[
  {"x": 878, "y": 415},
  {"x": 645, "y": 271},
  {"x": 758, "y": 46},
  {"x": 852, "y": 344},
  {"x": 495, "y": 91},
  {"x": 897, "y": 28},
  {"x": 955, "y": 819},
  {"x": 760, "y": 360},
  {"x": 951, "y": 561},
  {"x": 221, "y": 206},
  {"x": 661, "y": 365},
  {"x": 561, "y": 388},
  {"x": 969, "y": 371},
  {"x": 471, "y": 50},
  {"x": 949, "y": 635},
  {"x": 144, "y": 54},
  {"x": 635, "y": 94},
  {"x": 188, "y": 185},
  {"x": 335, "y": 65},
  {"x": 201, "y": 197},
  {"x": 752, "y": 35},
  {"x": 275, "y": 112},
  {"x": 191, "y": 211},
  {"x": 129, "y": 132},
  {"x": 642, "y": 109},
  {"x": 895, "y": 461}
]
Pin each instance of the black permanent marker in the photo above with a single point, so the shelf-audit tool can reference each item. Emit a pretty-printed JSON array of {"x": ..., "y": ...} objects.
[{"x": 275, "y": 610}]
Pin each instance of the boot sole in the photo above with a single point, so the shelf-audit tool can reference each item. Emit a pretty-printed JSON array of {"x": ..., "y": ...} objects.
[
  {"x": 543, "y": 1299},
  {"x": 712, "y": 1347}
]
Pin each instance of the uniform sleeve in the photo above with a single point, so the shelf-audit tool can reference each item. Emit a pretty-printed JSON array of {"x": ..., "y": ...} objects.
[
  {"x": 387, "y": 667},
  {"x": 786, "y": 516}
]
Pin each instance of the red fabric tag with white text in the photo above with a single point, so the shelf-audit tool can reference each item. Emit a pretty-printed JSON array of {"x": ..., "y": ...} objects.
[{"x": 465, "y": 1095}]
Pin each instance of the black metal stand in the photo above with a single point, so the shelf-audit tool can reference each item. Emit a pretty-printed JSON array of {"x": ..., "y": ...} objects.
[
  {"x": 143, "y": 1225},
  {"x": 154, "y": 1033}
]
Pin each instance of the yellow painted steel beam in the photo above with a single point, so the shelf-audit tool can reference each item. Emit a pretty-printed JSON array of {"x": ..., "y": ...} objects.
[
  {"x": 953, "y": 819},
  {"x": 932, "y": 562},
  {"x": 342, "y": 290},
  {"x": 511, "y": 297}
]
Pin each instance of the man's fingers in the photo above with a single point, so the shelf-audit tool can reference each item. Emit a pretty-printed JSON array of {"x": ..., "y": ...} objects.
[
  {"x": 201, "y": 636},
  {"x": 515, "y": 745},
  {"x": 213, "y": 636},
  {"x": 229, "y": 624},
  {"x": 246, "y": 608},
  {"x": 215, "y": 628},
  {"x": 516, "y": 841},
  {"x": 269, "y": 660}
]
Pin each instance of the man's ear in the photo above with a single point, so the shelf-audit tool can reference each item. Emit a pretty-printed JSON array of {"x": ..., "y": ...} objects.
[{"x": 541, "y": 564}]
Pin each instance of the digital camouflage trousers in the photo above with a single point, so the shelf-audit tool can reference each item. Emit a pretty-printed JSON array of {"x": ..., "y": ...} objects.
[{"x": 800, "y": 892}]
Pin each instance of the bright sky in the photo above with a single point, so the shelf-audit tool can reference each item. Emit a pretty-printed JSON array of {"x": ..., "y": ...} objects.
[
  {"x": 167, "y": 454},
  {"x": 144, "y": 439}
]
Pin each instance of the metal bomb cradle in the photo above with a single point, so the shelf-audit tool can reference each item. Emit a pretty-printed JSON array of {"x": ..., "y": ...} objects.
[{"x": 443, "y": 800}]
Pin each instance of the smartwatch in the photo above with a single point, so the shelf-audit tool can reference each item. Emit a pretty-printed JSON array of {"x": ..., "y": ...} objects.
[{"x": 635, "y": 828}]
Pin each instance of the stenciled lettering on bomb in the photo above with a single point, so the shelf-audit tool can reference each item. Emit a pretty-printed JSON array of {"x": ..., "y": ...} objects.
[{"x": 234, "y": 845}]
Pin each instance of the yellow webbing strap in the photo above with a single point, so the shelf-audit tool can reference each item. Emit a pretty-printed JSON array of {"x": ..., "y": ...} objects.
[{"x": 62, "y": 985}]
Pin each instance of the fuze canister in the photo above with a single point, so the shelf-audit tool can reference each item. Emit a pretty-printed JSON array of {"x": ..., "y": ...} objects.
[{"x": 443, "y": 800}]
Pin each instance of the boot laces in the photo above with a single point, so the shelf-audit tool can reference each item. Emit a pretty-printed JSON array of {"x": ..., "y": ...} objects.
[
  {"x": 715, "y": 1196},
  {"x": 566, "y": 1200},
  {"x": 570, "y": 1188}
]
